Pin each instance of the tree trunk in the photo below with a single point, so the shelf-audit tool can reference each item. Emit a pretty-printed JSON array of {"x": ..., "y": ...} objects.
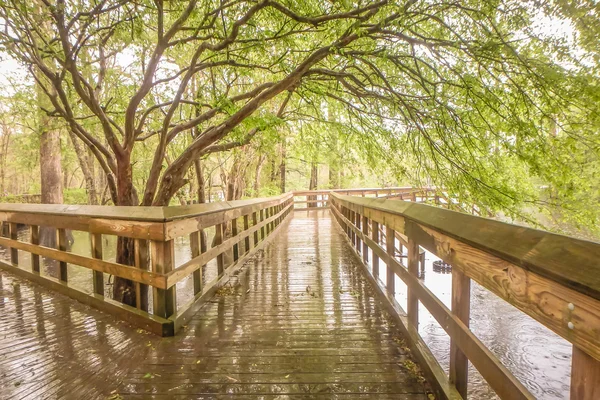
[
  {"x": 259, "y": 165},
  {"x": 282, "y": 167},
  {"x": 87, "y": 167},
  {"x": 312, "y": 185},
  {"x": 124, "y": 289},
  {"x": 51, "y": 175}
]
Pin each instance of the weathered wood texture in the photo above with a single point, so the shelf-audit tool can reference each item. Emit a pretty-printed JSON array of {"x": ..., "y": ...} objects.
[
  {"x": 503, "y": 258},
  {"x": 151, "y": 227},
  {"x": 299, "y": 321}
]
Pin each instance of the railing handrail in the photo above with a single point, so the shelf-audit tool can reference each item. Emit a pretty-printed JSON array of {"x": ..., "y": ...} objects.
[
  {"x": 538, "y": 272},
  {"x": 545, "y": 253},
  {"x": 135, "y": 213}
]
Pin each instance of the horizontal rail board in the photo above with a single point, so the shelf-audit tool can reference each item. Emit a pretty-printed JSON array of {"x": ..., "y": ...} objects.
[
  {"x": 571, "y": 262},
  {"x": 187, "y": 268},
  {"x": 120, "y": 270},
  {"x": 157, "y": 325}
]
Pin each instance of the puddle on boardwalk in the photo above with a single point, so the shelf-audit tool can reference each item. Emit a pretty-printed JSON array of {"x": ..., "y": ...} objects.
[{"x": 540, "y": 359}]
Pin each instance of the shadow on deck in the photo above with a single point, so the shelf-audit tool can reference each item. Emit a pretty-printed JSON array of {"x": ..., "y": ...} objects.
[{"x": 299, "y": 320}]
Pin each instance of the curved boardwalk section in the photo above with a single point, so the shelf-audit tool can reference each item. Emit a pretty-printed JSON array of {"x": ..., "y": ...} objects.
[{"x": 299, "y": 321}]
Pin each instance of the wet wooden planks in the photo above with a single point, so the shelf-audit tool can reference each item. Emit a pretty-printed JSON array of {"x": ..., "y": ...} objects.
[{"x": 299, "y": 321}]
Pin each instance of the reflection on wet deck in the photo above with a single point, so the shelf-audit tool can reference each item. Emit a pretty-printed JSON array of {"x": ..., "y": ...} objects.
[{"x": 298, "y": 321}]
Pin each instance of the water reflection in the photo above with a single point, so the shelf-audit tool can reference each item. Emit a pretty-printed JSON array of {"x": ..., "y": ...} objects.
[{"x": 538, "y": 357}]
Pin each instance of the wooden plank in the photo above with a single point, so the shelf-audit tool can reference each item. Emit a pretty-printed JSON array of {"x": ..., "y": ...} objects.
[
  {"x": 13, "y": 234},
  {"x": 123, "y": 271},
  {"x": 35, "y": 240},
  {"x": 585, "y": 376},
  {"x": 412, "y": 303},
  {"x": 97, "y": 276},
  {"x": 165, "y": 302},
  {"x": 375, "y": 237},
  {"x": 461, "y": 307},
  {"x": 61, "y": 240}
]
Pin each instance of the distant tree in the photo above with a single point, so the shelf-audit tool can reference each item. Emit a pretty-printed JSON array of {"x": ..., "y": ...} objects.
[{"x": 435, "y": 85}]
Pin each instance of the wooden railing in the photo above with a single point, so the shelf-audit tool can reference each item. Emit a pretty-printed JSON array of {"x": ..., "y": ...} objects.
[
  {"x": 554, "y": 279},
  {"x": 310, "y": 199},
  {"x": 154, "y": 231}
]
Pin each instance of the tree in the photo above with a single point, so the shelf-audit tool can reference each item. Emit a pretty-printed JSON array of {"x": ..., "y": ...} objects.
[{"x": 432, "y": 85}]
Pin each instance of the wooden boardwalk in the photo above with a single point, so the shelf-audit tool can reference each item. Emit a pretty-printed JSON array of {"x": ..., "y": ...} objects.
[{"x": 299, "y": 321}]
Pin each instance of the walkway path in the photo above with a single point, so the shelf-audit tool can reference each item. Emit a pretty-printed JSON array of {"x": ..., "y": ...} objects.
[{"x": 299, "y": 321}]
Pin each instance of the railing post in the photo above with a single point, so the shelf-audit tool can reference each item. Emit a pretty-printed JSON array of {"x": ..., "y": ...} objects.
[
  {"x": 234, "y": 233},
  {"x": 413, "y": 269},
  {"x": 262, "y": 229},
  {"x": 141, "y": 262},
  {"x": 357, "y": 223},
  {"x": 585, "y": 376},
  {"x": 219, "y": 232},
  {"x": 97, "y": 276},
  {"x": 461, "y": 307},
  {"x": 162, "y": 262},
  {"x": 35, "y": 239},
  {"x": 254, "y": 223},
  {"x": 352, "y": 221},
  {"x": 375, "y": 237},
  {"x": 390, "y": 246},
  {"x": 365, "y": 246},
  {"x": 62, "y": 246},
  {"x": 14, "y": 253},
  {"x": 196, "y": 248},
  {"x": 247, "y": 239}
]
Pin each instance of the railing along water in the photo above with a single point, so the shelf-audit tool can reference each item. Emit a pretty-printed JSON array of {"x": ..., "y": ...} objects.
[
  {"x": 553, "y": 278},
  {"x": 153, "y": 229}
]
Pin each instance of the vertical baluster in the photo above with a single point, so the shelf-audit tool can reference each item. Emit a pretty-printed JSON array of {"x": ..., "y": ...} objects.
[
  {"x": 357, "y": 223},
  {"x": 375, "y": 237},
  {"x": 365, "y": 246},
  {"x": 195, "y": 246},
  {"x": 62, "y": 246},
  {"x": 234, "y": 233},
  {"x": 97, "y": 276},
  {"x": 390, "y": 246},
  {"x": 262, "y": 229},
  {"x": 254, "y": 223},
  {"x": 461, "y": 306},
  {"x": 219, "y": 232},
  {"x": 163, "y": 261},
  {"x": 13, "y": 234},
  {"x": 247, "y": 239},
  {"x": 585, "y": 376},
  {"x": 141, "y": 262},
  {"x": 413, "y": 268},
  {"x": 35, "y": 239},
  {"x": 353, "y": 221}
]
